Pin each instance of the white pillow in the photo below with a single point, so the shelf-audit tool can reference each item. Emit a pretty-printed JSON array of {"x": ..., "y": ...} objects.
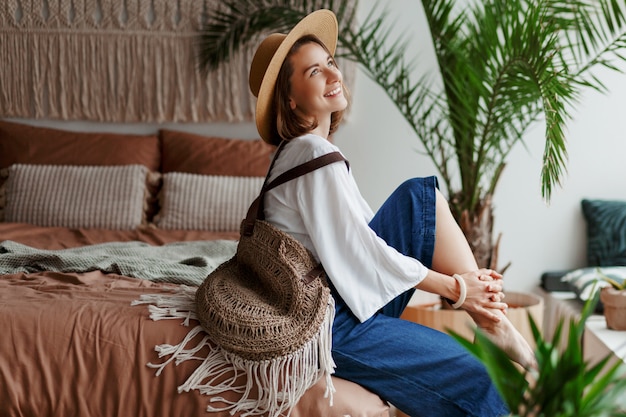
[
  {"x": 585, "y": 281},
  {"x": 108, "y": 197},
  {"x": 205, "y": 202}
]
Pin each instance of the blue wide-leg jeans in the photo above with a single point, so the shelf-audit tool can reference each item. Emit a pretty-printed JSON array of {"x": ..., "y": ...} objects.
[{"x": 421, "y": 371}]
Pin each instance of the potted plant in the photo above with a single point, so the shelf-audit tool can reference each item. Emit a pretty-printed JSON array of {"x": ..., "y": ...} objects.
[
  {"x": 564, "y": 384},
  {"x": 613, "y": 299},
  {"x": 503, "y": 65}
]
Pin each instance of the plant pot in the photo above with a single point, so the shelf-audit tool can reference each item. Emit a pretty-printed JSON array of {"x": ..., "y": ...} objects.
[
  {"x": 614, "y": 302},
  {"x": 520, "y": 305}
]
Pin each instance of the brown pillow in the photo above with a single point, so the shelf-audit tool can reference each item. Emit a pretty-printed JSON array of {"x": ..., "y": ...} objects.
[
  {"x": 196, "y": 154},
  {"x": 20, "y": 143}
]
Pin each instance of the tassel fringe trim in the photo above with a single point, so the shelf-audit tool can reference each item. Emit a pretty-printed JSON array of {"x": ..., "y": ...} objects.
[{"x": 270, "y": 387}]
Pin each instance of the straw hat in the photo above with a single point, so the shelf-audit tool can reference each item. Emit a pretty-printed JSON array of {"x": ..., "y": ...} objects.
[{"x": 270, "y": 56}]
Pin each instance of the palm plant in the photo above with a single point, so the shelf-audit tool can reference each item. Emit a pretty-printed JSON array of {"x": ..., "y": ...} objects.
[
  {"x": 564, "y": 385},
  {"x": 503, "y": 65}
]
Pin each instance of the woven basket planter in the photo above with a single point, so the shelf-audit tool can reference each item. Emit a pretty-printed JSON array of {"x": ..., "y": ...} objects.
[{"x": 614, "y": 302}]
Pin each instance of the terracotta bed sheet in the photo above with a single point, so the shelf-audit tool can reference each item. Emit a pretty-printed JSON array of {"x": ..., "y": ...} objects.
[
  {"x": 73, "y": 345},
  {"x": 63, "y": 237}
]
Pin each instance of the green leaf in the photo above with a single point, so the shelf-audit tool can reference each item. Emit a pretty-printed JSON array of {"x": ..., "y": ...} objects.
[
  {"x": 564, "y": 384},
  {"x": 508, "y": 378},
  {"x": 503, "y": 65}
]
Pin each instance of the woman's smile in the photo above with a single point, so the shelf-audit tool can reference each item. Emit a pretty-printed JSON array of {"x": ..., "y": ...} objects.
[
  {"x": 316, "y": 89},
  {"x": 333, "y": 93}
]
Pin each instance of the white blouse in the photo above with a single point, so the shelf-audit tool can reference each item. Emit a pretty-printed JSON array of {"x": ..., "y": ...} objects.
[{"x": 326, "y": 212}]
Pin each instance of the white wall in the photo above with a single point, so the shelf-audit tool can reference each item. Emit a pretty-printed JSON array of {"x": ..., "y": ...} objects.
[
  {"x": 537, "y": 236},
  {"x": 383, "y": 152}
]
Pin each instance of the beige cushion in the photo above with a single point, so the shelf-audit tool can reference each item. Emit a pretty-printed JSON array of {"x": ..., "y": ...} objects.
[
  {"x": 205, "y": 202},
  {"x": 109, "y": 197}
]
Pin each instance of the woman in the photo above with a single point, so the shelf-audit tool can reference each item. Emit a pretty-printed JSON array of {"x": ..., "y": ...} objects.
[{"x": 374, "y": 262}]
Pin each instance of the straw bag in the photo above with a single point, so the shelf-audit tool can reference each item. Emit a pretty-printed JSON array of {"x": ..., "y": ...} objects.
[{"x": 269, "y": 309}]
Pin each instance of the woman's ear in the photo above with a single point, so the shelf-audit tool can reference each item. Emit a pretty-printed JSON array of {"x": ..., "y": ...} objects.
[{"x": 292, "y": 104}]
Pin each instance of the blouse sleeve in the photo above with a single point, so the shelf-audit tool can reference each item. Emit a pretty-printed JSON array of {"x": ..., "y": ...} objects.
[{"x": 366, "y": 271}]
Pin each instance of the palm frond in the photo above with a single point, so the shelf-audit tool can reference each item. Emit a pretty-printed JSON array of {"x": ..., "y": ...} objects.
[
  {"x": 503, "y": 65},
  {"x": 564, "y": 384},
  {"x": 235, "y": 24}
]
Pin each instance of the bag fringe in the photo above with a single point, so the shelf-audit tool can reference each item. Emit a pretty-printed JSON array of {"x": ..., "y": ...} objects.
[{"x": 279, "y": 383}]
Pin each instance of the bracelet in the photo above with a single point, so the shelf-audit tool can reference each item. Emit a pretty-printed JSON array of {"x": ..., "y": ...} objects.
[{"x": 463, "y": 288}]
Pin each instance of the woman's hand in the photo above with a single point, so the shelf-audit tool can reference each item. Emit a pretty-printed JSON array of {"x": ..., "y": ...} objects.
[{"x": 484, "y": 293}]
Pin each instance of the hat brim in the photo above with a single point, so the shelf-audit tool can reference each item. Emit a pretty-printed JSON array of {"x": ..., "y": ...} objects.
[{"x": 321, "y": 23}]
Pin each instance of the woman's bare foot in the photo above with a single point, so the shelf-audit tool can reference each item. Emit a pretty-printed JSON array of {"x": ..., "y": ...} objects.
[{"x": 508, "y": 338}]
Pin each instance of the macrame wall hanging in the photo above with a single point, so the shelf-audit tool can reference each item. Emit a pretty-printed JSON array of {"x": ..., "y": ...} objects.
[{"x": 114, "y": 61}]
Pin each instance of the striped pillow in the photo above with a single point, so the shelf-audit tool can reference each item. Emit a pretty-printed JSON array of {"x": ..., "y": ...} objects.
[
  {"x": 108, "y": 197},
  {"x": 205, "y": 202}
]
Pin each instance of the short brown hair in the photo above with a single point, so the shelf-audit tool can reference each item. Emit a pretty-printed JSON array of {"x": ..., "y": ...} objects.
[{"x": 286, "y": 124}]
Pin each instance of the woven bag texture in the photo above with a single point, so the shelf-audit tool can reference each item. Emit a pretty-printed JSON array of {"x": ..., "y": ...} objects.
[{"x": 256, "y": 305}]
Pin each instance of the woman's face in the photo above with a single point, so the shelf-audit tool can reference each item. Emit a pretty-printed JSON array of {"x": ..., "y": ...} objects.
[{"x": 316, "y": 88}]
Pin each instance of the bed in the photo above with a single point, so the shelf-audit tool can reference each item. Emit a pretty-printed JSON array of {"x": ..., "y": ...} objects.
[{"x": 90, "y": 223}]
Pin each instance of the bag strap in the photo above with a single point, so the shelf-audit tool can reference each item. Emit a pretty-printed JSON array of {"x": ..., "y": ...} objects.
[
  {"x": 305, "y": 168},
  {"x": 257, "y": 207}
]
